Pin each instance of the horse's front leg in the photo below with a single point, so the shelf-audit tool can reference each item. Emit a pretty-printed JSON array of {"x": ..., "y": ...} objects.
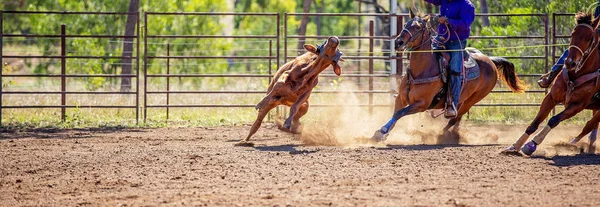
[
  {"x": 545, "y": 108},
  {"x": 570, "y": 111},
  {"x": 381, "y": 134}
]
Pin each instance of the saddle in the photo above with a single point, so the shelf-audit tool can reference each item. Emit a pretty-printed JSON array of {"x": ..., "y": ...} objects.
[{"x": 470, "y": 65}]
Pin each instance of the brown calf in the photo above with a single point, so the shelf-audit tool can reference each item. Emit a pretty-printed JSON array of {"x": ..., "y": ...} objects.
[{"x": 294, "y": 81}]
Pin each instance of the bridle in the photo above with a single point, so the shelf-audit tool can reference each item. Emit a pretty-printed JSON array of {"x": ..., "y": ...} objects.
[
  {"x": 572, "y": 84},
  {"x": 590, "y": 48},
  {"x": 321, "y": 51},
  {"x": 414, "y": 37}
]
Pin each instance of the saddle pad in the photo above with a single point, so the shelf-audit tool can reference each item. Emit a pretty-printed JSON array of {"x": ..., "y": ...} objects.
[{"x": 471, "y": 65}]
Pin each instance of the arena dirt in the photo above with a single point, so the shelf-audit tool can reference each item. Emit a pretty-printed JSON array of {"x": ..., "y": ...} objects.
[{"x": 200, "y": 166}]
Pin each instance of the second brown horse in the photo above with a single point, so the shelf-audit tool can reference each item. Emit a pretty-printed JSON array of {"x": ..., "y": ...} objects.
[{"x": 576, "y": 87}]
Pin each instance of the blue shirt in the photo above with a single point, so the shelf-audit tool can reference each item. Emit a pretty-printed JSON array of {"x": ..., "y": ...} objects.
[{"x": 460, "y": 14}]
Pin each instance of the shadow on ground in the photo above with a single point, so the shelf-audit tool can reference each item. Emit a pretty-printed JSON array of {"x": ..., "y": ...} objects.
[
  {"x": 575, "y": 160},
  {"x": 433, "y": 147},
  {"x": 290, "y": 148},
  {"x": 58, "y": 133}
]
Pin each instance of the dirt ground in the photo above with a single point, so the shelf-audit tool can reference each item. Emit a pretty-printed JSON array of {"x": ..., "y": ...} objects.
[{"x": 202, "y": 167}]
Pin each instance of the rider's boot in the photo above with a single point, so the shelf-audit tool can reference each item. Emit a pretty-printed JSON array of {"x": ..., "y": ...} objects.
[
  {"x": 547, "y": 79},
  {"x": 451, "y": 110}
]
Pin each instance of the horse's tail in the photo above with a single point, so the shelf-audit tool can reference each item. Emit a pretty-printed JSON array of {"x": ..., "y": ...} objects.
[{"x": 509, "y": 76}]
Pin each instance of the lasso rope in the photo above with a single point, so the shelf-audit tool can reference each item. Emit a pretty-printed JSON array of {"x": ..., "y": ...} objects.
[{"x": 493, "y": 48}]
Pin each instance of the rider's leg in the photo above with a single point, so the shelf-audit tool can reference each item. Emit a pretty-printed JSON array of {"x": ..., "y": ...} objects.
[
  {"x": 456, "y": 66},
  {"x": 548, "y": 78}
]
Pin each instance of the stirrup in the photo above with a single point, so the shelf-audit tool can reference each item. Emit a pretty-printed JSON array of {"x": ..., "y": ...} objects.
[{"x": 449, "y": 109}]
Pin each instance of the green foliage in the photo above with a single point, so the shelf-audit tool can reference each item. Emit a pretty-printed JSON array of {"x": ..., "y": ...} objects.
[
  {"x": 187, "y": 25},
  {"x": 238, "y": 25},
  {"x": 114, "y": 25},
  {"x": 6, "y": 82},
  {"x": 526, "y": 26}
]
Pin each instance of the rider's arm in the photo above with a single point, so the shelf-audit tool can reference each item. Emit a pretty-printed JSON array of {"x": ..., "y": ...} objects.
[
  {"x": 434, "y": 2},
  {"x": 467, "y": 16}
]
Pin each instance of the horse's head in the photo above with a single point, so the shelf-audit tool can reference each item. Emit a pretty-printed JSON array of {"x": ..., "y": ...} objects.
[
  {"x": 414, "y": 33},
  {"x": 584, "y": 40},
  {"x": 329, "y": 52}
]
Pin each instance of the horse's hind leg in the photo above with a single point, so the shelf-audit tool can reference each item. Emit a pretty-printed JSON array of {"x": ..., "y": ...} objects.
[
  {"x": 296, "y": 125},
  {"x": 464, "y": 108},
  {"x": 592, "y": 138},
  {"x": 591, "y": 145},
  {"x": 454, "y": 122},
  {"x": 590, "y": 126}
]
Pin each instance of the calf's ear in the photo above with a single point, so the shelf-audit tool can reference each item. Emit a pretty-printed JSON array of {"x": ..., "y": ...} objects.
[
  {"x": 337, "y": 69},
  {"x": 310, "y": 48}
]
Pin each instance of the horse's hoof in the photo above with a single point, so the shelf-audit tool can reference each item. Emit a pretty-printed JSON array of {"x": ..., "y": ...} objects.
[
  {"x": 511, "y": 151},
  {"x": 529, "y": 148},
  {"x": 379, "y": 136},
  {"x": 591, "y": 149},
  {"x": 287, "y": 125},
  {"x": 244, "y": 144}
]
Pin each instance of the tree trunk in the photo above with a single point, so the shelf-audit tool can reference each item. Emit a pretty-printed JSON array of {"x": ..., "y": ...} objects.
[
  {"x": 318, "y": 18},
  {"x": 126, "y": 63},
  {"x": 302, "y": 28},
  {"x": 485, "y": 21}
]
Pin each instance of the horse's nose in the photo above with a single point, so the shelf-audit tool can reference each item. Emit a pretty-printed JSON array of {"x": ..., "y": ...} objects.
[
  {"x": 399, "y": 43},
  {"x": 570, "y": 63}
]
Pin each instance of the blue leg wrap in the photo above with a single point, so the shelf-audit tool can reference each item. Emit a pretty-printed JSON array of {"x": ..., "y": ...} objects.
[
  {"x": 554, "y": 121},
  {"x": 386, "y": 128}
]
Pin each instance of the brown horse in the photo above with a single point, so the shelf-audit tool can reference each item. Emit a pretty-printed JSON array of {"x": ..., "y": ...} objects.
[
  {"x": 293, "y": 84},
  {"x": 575, "y": 87},
  {"x": 423, "y": 80}
]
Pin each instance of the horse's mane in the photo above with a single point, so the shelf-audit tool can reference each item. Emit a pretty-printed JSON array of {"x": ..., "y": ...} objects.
[
  {"x": 423, "y": 15},
  {"x": 431, "y": 19},
  {"x": 583, "y": 18}
]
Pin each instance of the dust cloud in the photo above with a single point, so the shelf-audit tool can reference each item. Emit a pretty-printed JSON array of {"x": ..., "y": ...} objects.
[{"x": 350, "y": 126}]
